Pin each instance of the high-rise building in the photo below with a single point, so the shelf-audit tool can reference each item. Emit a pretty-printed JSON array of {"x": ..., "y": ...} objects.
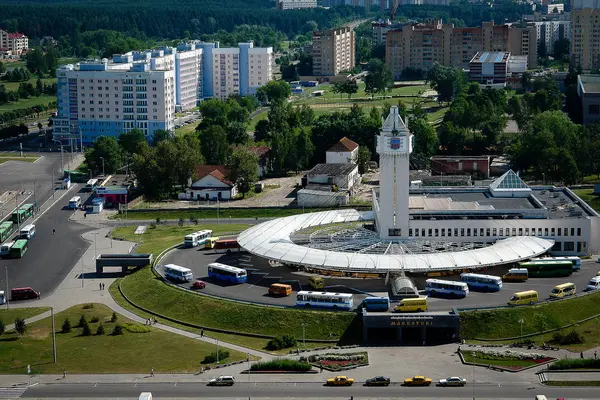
[
  {"x": 585, "y": 43},
  {"x": 333, "y": 51},
  {"x": 420, "y": 46},
  {"x": 16, "y": 43},
  {"x": 295, "y": 4},
  {"x": 549, "y": 32},
  {"x": 188, "y": 76}
]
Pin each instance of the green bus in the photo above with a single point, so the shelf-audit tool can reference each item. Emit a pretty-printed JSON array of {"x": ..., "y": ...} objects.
[
  {"x": 28, "y": 208},
  {"x": 76, "y": 176},
  {"x": 18, "y": 249},
  {"x": 547, "y": 269},
  {"x": 21, "y": 214},
  {"x": 6, "y": 230}
]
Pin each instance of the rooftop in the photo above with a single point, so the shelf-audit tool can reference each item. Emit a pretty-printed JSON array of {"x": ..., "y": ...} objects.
[
  {"x": 332, "y": 169},
  {"x": 344, "y": 145},
  {"x": 217, "y": 171},
  {"x": 589, "y": 83},
  {"x": 490, "y": 57}
]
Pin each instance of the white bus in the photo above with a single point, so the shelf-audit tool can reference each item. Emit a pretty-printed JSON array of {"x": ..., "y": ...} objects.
[
  {"x": 178, "y": 273},
  {"x": 342, "y": 301},
  {"x": 91, "y": 185},
  {"x": 442, "y": 288},
  {"x": 2, "y": 297},
  {"x": 75, "y": 202},
  {"x": 27, "y": 232},
  {"x": 197, "y": 238},
  {"x": 225, "y": 272},
  {"x": 482, "y": 283},
  {"x": 5, "y": 248}
]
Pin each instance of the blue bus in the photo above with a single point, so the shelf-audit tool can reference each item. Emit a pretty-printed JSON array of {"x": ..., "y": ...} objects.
[
  {"x": 441, "y": 288},
  {"x": 482, "y": 283},
  {"x": 228, "y": 273},
  {"x": 376, "y": 303}
]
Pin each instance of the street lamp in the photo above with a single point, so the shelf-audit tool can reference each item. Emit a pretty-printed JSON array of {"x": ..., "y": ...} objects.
[
  {"x": 217, "y": 351},
  {"x": 102, "y": 165},
  {"x": 81, "y": 252},
  {"x": 303, "y": 334},
  {"x": 6, "y": 295},
  {"x": 521, "y": 321},
  {"x": 62, "y": 162},
  {"x": 474, "y": 356}
]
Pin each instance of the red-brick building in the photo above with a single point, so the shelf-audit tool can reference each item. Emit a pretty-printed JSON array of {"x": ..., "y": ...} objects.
[{"x": 461, "y": 165}]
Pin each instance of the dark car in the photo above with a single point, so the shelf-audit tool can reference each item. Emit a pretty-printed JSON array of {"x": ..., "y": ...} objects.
[{"x": 378, "y": 381}]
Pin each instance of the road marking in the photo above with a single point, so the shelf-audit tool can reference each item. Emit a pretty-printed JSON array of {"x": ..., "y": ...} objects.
[
  {"x": 135, "y": 385},
  {"x": 12, "y": 392},
  {"x": 175, "y": 385},
  {"x": 96, "y": 384}
]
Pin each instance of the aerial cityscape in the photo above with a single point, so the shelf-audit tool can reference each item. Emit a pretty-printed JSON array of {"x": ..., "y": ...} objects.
[{"x": 300, "y": 199}]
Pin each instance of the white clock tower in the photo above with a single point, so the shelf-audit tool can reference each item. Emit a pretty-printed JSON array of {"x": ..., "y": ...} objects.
[{"x": 394, "y": 145}]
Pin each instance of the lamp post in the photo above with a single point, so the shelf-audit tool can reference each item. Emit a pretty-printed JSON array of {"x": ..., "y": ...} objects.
[
  {"x": 521, "y": 321},
  {"x": 81, "y": 252},
  {"x": 62, "y": 161},
  {"x": 217, "y": 351},
  {"x": 248, "y": 368},
  {"x": 6, "y": 295},
  {"x": 303, "y": 334},
  {"x": 474, "y": 356}
]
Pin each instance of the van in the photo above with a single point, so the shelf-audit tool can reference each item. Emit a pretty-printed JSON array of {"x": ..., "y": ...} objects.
[
  {"x": 27, "y": 232},
  {"x": 516, "y": 275},
  {"x": 25, "y": 293},
  {"x": 5, "y": 249},
  {"x": 564, "y": 290},
  {"x": 316, "y": 282},
  {"x": 210, "y": 242},
  {"x": 540, "y": 397},
  {"x": 412, "y": 305},
  {"x": 279, "y": 289},
  {"x": 593, "y": 284},
  {"x": 2, "y": 297},
  {"x": 527, "y": 297}
]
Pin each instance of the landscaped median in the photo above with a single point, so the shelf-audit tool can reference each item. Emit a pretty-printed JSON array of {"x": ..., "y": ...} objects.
[
  {"x": 507, "y": 360},
  {"x": 280, "y": 366}
]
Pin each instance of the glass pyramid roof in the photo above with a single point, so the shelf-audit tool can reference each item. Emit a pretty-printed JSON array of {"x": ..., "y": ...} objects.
[{"x": 509, "y": 180}]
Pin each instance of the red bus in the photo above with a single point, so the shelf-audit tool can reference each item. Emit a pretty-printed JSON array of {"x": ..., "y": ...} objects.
[{"x": 226, "y": 245}]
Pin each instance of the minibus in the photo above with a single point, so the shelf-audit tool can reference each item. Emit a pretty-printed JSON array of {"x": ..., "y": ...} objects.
[
  {"x": 412, "y": 305},
  {"x": 5, "y": 249},
  {"x": 75, "y": 202},
  {"x": 516, "y": 275},
  {"x": 376, "y": 303},
  {"x": 594, "y": 283},
  {"x": 27, "y": 232},
  {"x": 25, "y": 293},
  {"x": 564, "y": 290},
  {"x": 279, "y": 289},
  {"x": 527, "y": 297},
  {"x": 210, "y": 242},
  {"x": 316, "y": 282}
]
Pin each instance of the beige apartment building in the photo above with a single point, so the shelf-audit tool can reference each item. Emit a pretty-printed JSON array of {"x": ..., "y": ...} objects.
[
  {"x": 333, "y": 51},
  {"x": 585, "y": 33},
  {"x": 15, "y": 43},
  {"x": 422, "y": 45}
]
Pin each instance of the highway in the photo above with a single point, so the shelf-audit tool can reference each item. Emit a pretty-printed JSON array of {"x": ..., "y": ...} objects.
[{"x": 243, "y": 389}]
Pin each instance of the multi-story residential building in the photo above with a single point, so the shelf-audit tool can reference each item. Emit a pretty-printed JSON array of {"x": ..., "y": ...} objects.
[
  {"x": 380, "y": 29},
  {"x": 102, "y": 98},
  {"x": 188, "y": 76},
  {"x": 548, "y": 32},
  {"x": 585, "y": 43},
  {"x": 13, "y": 43},
  {"x": 294, "y": 4},
  {"x": 422, "y": 45},
  {"x": 333, "y": 51}
]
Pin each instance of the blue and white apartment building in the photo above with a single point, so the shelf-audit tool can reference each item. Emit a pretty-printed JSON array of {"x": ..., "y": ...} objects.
[{"x": 144, "y": 89}]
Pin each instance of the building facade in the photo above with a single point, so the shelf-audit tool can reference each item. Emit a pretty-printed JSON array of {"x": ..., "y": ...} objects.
[
  {"x": 14, "y": 44},
  {"x": 295, "y": 4},
  {"x": 188, "y": 76},
  {"x": 588, "y": 89},
  {"x": 333, "y": 51},
  {"x": 549, "y": 32},
  {"x": 489, "y": 67},
  {"x": 585, "y": 45}
]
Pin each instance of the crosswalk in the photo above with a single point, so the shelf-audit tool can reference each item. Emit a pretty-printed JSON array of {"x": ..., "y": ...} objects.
[{"x": 12, "y": 392}]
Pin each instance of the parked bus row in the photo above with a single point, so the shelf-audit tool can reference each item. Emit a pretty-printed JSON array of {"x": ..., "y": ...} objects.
[
  {"x": 18, "y": 248},
  {"x": 205, "y": 239}
]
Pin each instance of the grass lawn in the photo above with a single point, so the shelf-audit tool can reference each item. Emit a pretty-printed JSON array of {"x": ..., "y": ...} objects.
[
  {"x": 144, "y": 289},
  {"x": 127, "y": 353},
  {"x": 189, "y": 128},
  {"x": 15, "y": 85},
  {"x": 155, "y": 240},
  {"x": 4, "y": 159},
  {"x": 224, "y": 213},
  {"x": 401, "y": 91},
  {"x": 504, "y": 323},
  {"x": 497, "y": 361},
  {"x": 258, "y": 117},
  {"x": 26, "y": 103},
  {"x": 573, "y": 383},
  {"x": 9, "y": 316},
  {"x": 589, "y": 197}
]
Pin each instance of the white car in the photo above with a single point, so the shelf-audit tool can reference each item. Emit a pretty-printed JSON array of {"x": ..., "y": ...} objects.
[
  {"x": 453, "y": 381},
  {"x": 222, "y": 381}
]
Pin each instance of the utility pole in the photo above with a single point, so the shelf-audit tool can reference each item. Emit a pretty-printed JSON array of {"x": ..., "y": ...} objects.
[
  {"x": 34, "y": 198},
  {"x": 6, "y": 296},
  {"x": 303, "y": 334},
  {"x": 53, "y": 335},
  {"x": 217, "y": 351},
  {"x": 102, "y": 166}
]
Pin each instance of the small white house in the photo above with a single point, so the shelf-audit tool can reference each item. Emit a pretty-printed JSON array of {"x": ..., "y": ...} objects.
[
  {"x": 344, "y": 176},
  {"x": 210, "y": 183},
  {"x": 343, "y": 152}
]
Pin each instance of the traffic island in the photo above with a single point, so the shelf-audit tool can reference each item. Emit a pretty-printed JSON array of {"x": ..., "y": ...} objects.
[
  {"x": 338, "y": 362},
  {"x": 281, "y": 366},
  {"x": 503, "y": 360}
]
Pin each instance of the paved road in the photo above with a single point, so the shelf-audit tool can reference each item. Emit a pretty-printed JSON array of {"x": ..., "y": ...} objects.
[{"x": 243, "y": 389}]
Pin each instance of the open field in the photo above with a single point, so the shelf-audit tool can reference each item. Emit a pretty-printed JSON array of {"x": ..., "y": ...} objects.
[
  {"x": 15, "y": 85},
  {"x": 412, "y": 90},
  {"x": 9, "y": 316},
  {"x": 155, "y": 240},
  {"x": 189, "y": 128},
  {"x": 107, "y": 353},
  {"x": 589, "y": 197},
  {"x": 26, "y": 103},
  {"x": 223, "y": 213}
]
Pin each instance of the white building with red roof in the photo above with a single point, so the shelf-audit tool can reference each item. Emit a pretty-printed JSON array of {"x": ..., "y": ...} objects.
[
  {"x": 343, "y": 152},
  {"x": 15, "y": 43},
  {"x": 210, "y": 183}
]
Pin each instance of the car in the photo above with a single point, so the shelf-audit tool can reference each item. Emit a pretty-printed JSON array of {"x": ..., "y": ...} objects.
[
  {"x": 417, "y": 380},
  {"x": 453, "y": 381},
  {"x": 198, "y": 284},
  {"x": 378, "y": 381},
  {"x": 340, "y": 380},
  {"x": 223, "y": 380}
]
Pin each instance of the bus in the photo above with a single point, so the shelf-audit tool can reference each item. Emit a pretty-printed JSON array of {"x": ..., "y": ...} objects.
[
  {"x": 75, "y": 202},
  {"x": 227, "y": 273},
  {"x": 6, "y": 230},
  {"x": 376, "y": 303},
  {"x": 22, "y": 213},
  {"x": 210, "y": 242},
  {"x": 177, "y": 273},
  {"x": 190, "y": 240},
  {"x": 441, "y": 288},
  {"x": 547, "y": 269},
  {"x": 27, "y": 210},
  {"x": 18, "y": 249},
  {"x": 27, "y": 232},
  {"x": 482, "y": 283},
  {"x": 226, "y": 245},
  {"x": 91, "y": 184},
  {"x": 342, "y": 301},
  {"x": 574, "y": 259}
]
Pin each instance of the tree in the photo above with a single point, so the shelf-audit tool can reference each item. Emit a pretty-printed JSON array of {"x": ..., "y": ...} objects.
[
  {"x": 363, "y": 159},
  {"x": 20, "y": 326},
  {"x": 562, "y": 48},
  {"x": 273, "y": 92},
  {"x": 131, "y": 141},
  {"x": 2, "y": 327},
  {"x": 213, "y": 145},
  {"x": 2, "y": 68},
  {"x": 304, "y": 148},
  {"x": 86, "y": 331},
  {"x": 188, "y": 156},
  {"x": 104, "y": 156},
  {"x": 526, "y": 80},
  {"x": 446, "y": 81},
  {"x": 350, "y": 87},
  {"x": 379, "y": 79},
  {"x": 160, "y": 135},
  {"x": 66, "y": 326},
  {"x": 237, "y": 133},
  {"x": 262, "y": 131},
  {"x": 425, "y": 138},
  {"x": 452, "y": 137},
  {"x": 243, "y": 169}
]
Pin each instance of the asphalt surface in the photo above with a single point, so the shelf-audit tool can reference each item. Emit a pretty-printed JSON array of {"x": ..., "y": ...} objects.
[
  {"x": 262, "y": 275},
  {"x": 243, "y": 389}
]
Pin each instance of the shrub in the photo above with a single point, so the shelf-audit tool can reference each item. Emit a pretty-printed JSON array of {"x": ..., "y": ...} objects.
[
  {"x": 2, "y": 327},
  {"x": 88, "y": 306},
  {"x": 152, "y": 225},
  {"x": 281, "y": 365},
  {"x": 576, "y": 363},
  {"x": 135, "y": 328},
  {"x": 82, "y": 322},
  {"x": 284, "y": 342},
  {"x": 100, "y": 330},
  {"x": 212, "y": 357},
  {"x": 157, "y": 220},
  {"x": 181, "y": 221},
  {"x": 20, "y": 326},
  {"x": 94, "y": 320},
  {"x": 86, "y": 330},
  {"x": 117, "y": 330},
  {"x": 570, "y": 338},
  {"x": 66, "y": 326},
  {"x": 114, "y": 317}
]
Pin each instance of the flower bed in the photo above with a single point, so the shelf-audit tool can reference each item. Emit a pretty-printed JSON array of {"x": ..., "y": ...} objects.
[
  {"x": 338, "y": 362},
  {"x": 506, "y": 359}
]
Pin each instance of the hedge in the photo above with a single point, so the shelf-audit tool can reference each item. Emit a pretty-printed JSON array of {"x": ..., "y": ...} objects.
[
  {"x": 576, "y": 363},
  {"x": 282, "y": 364}
]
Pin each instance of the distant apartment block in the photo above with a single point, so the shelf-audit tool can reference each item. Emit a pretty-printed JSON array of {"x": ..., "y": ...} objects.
[
  {"x": 588, "y": 89},
  {"x": 548, "y": 32},
  {"x": 295, "y": 4},
  {"x": 585, "y": 47},
  {"x": 422, "y": 45},
  {"x": 13, "y": 44},
  {"x": 188, "y": 76},
  {"x": 380, "y": 29},
  {"x": 333, "y": 51}
]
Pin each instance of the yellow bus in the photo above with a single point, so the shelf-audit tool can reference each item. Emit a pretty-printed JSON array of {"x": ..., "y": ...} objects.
[
  {"x": 516, "y": 275},
  {"x": 210, "y": 242},
  {"x": 412, "y": 305},
  {"x": 280, "y": 289},
  {"x": 564, "y": 290},
  {"x": 316, "y": 282},
  {"x": 527, "y": 297}
]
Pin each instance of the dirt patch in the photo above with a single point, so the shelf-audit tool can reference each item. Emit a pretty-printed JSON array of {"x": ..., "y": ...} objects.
[{"x": 38, "y": 333}]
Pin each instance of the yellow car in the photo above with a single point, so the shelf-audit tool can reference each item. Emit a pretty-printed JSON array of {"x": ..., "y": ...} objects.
[
  {"x": 340, "y": 381},
  {"x": 417, "y": 381}
]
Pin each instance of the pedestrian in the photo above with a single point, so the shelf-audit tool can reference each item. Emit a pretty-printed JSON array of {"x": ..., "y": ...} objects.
[
  {"x": 64, "y": 373},
  {"x": 103, "y": 286},
  {"x": 151, "y": 371},
  {"x": 53, "y": 231},
  {"x": 85, "y": 215},
  {"x": 201, "y": 369},
  {"x": 581, "y": 354},
  {"x": 595, "y": 354},
  {"x": 202, "y": 332},
  {"x": 321, "y": 370},
  {"x": 100, "y": 286}
]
